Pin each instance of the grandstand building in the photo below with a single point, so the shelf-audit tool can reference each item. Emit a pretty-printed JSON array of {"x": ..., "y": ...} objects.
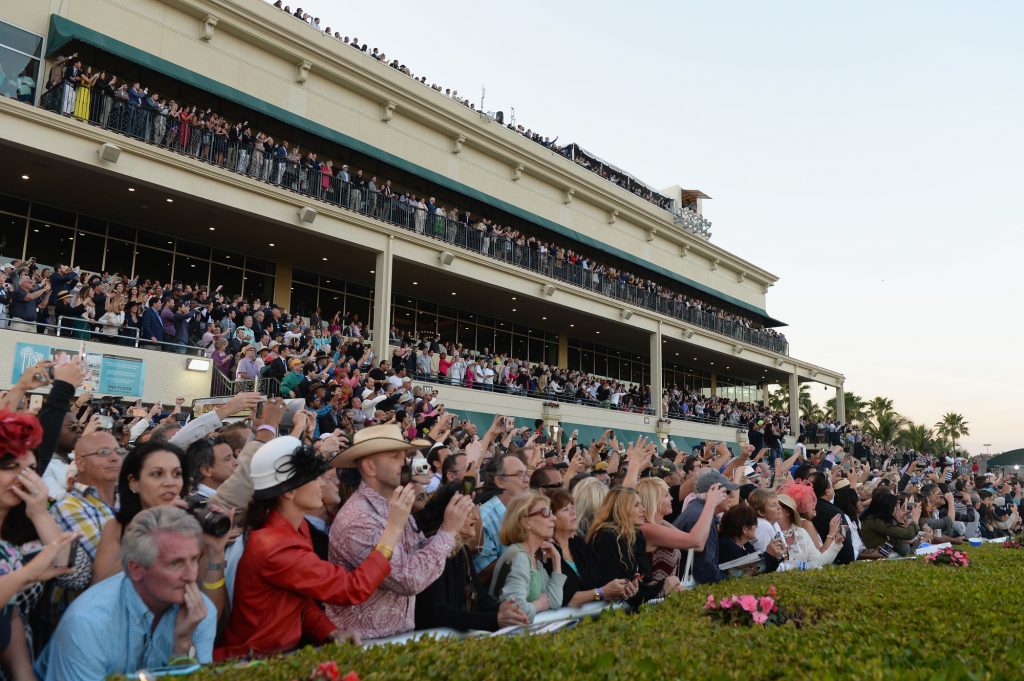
[{"x": 115, "y": 186}]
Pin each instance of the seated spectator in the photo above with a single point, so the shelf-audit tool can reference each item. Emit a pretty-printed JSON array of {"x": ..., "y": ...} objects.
[
  {"x": 824, "y": 512},
  {"x": 885, "y": 523},
  {"x": 736, "y": 534},
  {"x": 619, "y": 548},
  {"x": 588, "y": 496},
  {"x": 577, "y": 559},
  {"x": 511, "y": 478},
  {"x": 849, "y": 502},
  {"x": 456, "y": 600},
  {"x": 800, "y": 546},
  {"x": 211, "y": 461},
  {"x": 705, "y": 560},
  {"x": 150, "y": 615},
  {"x": 280, "y": 582},
  {"x": 526, "y": 530},
  {"x": 766, "y": 504},
  {"x": 378, "y": 453},
  {"x": 663, "y": 540}
]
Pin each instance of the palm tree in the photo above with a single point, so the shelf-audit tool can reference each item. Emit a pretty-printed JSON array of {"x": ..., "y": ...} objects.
[
  {"x": 879, "y": 405},
  {"x": 953, "y": 426},
  {"x": 854, "y": 407},
  {"x": 778, "y": 400},
  {"x": 885, "y": 426},
  {"x": 916, "y": 436}
]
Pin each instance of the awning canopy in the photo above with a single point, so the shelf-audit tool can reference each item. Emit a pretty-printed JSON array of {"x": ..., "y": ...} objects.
[{"x": 1014, "y": 457}]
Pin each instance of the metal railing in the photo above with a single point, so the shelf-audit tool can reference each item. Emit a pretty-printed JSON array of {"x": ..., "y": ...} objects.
[
  {"x": 222, "y": 386},
  {"x": 129, "y": 115},
  {"x": 72, "y": 328},
  {"x": 67, "y": 331}
]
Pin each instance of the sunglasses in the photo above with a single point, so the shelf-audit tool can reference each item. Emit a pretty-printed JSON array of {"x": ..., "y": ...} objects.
[{"x": 543, "y": 512}]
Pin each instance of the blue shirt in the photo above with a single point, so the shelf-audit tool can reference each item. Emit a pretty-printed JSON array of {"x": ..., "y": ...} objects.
[
  {"x": 491, "y": 515},
  {"x": 705, "y": 562},
  {"x": 109, "y": 630}
]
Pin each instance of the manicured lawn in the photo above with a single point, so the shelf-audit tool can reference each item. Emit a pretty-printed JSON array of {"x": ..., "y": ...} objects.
[{"x": 883, "y": 620}]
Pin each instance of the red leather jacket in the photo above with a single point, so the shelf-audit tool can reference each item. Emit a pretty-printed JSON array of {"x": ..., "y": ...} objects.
[{"x": 278, "y": 588}]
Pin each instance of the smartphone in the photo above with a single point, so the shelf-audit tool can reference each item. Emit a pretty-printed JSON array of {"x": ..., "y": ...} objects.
[
  {"x": 75, "y": 547},
  {"x": 468, "y": 485},
  {"x": 106, "y": 421},
  {"x": 510, "y": 422},
  {"x": 456, "y": 422},
  {"x": 35, "y": 402}
]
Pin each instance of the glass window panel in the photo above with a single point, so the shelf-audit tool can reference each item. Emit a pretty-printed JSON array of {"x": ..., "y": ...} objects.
[
  {"x": 91, "y": 224},
  {"x": 195, "y": 250},
  {"x": 359, "y": 308},
  {"x": 118, "y": 257},
  {"x": 426, "y": 306},
  {"x": 262, "y": 286},
  {"x": 303, "y": 298},
  {"x": 446, "y": 329},
  {"x": 21, "y": 76},
  {"x": 402, "y": 317},
  {"x": 536, "y": 349},
  {"x": 551, "y": 353},
  {"x": 484, "y": 338},
  {"x": 121, "y": 232},
  {"x": 260, "y": 265},
  {"x": 502, "y": 341},
  {"x": 12, "y": 204},
  {"x": 358, "y": 290},
  {"x": 191, "y": 270},
  {"x": 426, "y": 323},
  {"x": 305, "y": 277},
  {"x": 152, "y": 264},
  {"x": 49, "y": 244},
  {"x": 447, "y": 311},
  {"x": 12, "y": 236},
  {"x": 52, "y": 215},
  {"x": 227, "y": 257},
  {"x": 20, "y": 40},
  {"x": 485, "y": 321},
  {"x": 520, "y": 347},
  {"x": 333, "y": 284},
  {"x": 574, "y": 358},
  {"x": 89, "y": 251},
  {"x": 228, "y": 277},
  {"x": 466, "y": 335},
  {"x": 156, "y": 240}
]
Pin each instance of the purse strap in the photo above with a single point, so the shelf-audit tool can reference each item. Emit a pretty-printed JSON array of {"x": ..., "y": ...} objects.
[{"x": 688, "y": 570}]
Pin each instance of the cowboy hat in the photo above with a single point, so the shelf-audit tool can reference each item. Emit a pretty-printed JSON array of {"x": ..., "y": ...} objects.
[{"x": 374, "y": 440}]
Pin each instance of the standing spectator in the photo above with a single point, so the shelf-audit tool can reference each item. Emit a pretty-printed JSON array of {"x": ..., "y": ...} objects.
[
  {"x": 705, "y": 560},
  {"x": 144, "y": 617},
  {"x": 27, "y": 299},
  {"x": 379, "y": 454},
  {"x": 152, "y": 324},
  {"x": 823, "y": 513},
  {"x": 512, "y": 479}
]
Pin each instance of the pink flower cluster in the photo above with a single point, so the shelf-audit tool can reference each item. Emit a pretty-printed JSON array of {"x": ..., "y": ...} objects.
[
  {"x": 329, "y": 671},
  {"x": 759, "y": 608},
  {"x": 948, "y": 556}
]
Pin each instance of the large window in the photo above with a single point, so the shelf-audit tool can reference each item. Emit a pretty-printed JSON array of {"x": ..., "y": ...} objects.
[
  {"x": 610, "y": 362},
  {"x": 56, "y": 236},
  {"x": 20, "y": 53}
]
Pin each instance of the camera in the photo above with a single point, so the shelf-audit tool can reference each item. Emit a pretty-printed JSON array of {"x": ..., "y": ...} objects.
[
  {"x": 213, "y": 523},
  {"x": 415, "y": 467}
]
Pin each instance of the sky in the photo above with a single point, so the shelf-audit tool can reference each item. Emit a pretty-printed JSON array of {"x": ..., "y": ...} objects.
[{"x": 868, "y": 154}]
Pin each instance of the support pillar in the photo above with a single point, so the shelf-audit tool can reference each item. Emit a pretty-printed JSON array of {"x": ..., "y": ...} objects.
[
  {"x": 714, "y": 383},
  {"x": 656, "y": 374},
  {"x": 563, "y": 350},
  {"x": 794, "y": 404},
  {"x": 764, "y": 395},
  {"x": 840, "y": 404},
  {"x": 282, "y": 285},
  {"x": 382, "y": 303}
]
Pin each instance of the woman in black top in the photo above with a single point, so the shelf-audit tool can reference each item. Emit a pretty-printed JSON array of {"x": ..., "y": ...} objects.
[
  {"x": 619, "y": 548},
  {"x": 455, "y": 600}
]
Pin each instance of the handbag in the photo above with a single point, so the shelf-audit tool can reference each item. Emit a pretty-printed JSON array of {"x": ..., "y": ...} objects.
[{"x": 688, "y": 582}]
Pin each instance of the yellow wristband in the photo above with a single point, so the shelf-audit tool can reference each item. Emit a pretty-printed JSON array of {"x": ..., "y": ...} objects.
[
  {"x": 386, "y": 550},
  {"x": 213, "y": 586}
]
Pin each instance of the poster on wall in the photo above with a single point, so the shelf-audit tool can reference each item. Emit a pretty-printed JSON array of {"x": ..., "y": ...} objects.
[{"x": 104, "y": 374}]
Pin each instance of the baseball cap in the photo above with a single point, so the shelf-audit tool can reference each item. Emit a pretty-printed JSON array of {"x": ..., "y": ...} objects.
[{"x": 712, "y": 477}]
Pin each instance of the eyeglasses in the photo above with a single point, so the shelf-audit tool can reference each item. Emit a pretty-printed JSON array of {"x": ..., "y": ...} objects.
[
  {"x": 104, "y": 452},
  {"x": 522, "y": 476},
  {"x": 552, "y": 485},
  {"x": 544, "y": 512}
]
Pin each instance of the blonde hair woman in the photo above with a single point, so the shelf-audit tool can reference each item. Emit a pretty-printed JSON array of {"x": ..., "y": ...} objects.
[
  {"x": 527, "y": 528},
  {"x": 620, "y": 551},
  {"x": 587, "y": 497},
  {"x": 664, "y": 540},
  {"x": 112, "y": 320}
]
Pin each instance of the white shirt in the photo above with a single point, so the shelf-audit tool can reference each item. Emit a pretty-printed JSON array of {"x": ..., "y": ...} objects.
[
  {"x": 765, "y": 533},
  {"x": 56, "y": 478},
  {"x": 803, "y": 550}
]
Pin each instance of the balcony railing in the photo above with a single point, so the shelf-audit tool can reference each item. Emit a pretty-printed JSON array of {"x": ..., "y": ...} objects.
[{"x": 204, "y": 144}]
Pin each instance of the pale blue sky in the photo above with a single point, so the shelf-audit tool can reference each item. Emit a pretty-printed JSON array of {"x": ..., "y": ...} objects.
[{"x": 868, "y": 154}]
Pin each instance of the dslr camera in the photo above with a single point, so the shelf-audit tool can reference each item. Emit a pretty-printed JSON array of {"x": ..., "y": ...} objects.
[{"x": 213, "y": 523}]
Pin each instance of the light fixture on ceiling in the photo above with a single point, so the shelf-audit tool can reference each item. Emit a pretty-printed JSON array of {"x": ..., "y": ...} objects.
[
  {"x": 131, "y": 189},
  {"x": 212, "y": 228},
  {"x": 24, "y": 177},
  {"x": 323, "y": 258},
  {"x": 270, "y": 244},
  {"x": 415, "y": 283},
  {"x": 170, "y": 200}
]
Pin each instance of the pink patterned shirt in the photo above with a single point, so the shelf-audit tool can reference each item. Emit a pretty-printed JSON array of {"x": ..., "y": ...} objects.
[{"x": 416, "y": 564}]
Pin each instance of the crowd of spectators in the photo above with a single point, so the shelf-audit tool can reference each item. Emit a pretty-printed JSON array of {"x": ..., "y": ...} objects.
[
  {"x": 154, "y": 540},
  {"x": 131, "y": 108},
  {"x": 570, "y": 151}
]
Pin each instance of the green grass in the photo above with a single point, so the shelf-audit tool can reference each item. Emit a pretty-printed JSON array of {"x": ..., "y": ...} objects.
[{"x": 880, "y": 620}]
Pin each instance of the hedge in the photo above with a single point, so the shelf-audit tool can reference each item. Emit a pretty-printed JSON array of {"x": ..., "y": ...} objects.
[{"x": 872, "y": 620}]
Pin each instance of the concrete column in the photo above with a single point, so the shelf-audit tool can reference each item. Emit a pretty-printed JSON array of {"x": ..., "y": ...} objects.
[
  {"x": 282, "y": 285},
  {"x": 563, "y": 350},
  {"x": 382, "y": 303},
  {"x": 840, "y": 404},
  {"x": 714, "y": 383},
  {"x": 764, "y": 395},
  {"x": 794, "y": 404},
  {"x": 656, "y": 373}
]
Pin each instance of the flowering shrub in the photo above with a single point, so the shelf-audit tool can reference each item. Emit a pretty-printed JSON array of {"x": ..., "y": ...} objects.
[
  {"x": 948, "y": 556},
  {"x": 746, "y": 609},
  {"x": 1014, "y": 542},
  {"x": 329, "y": 671}
]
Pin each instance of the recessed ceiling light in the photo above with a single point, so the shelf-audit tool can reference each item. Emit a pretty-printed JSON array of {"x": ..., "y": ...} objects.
[
  {"x": 694, "y": 359},
  {"x": 599, "y": 333},
  {"x": 212, "y": 228},
  {"x": 677, "y": 354},
  {"x": 323, "y": 258},
  {"x": 24, "y": 177},
  {"x": 131, "y": 189},
  {"x": 453, "y": 293},
  {"x": 712, "y": 364},
  {"x": 192, "y": 265},
  {"x": 170, "y": 200},
  {"x": 513, "y": 297},
  {"x": 270, "y": 244},
  {"x": 513, "y": 309},
  {"x": 372, "y": 272},
  {"x": 415, "y": 283},
  {"x": 571, "y": 325},
  {"x": 170, "y": 242},
  {"x": 544, "y": 318}
]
